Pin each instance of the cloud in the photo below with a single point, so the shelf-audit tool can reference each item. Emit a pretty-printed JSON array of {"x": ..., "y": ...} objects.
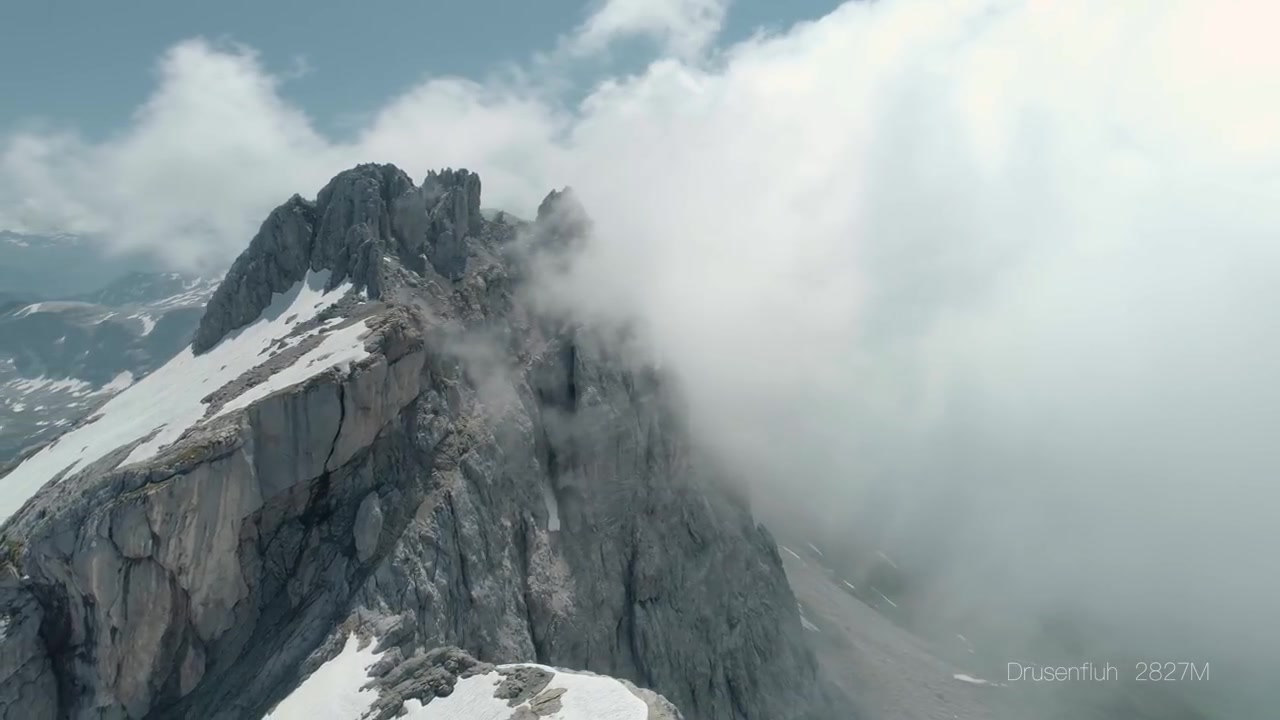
[
  {"x": 989, "y": 281},
  {"x": 215, "y": 147},
  {"x": 685, "y": 28},
  {"x": 204, "y": 156}
]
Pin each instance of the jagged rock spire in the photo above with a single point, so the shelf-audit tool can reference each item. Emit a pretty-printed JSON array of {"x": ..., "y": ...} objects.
[
  {"x": 432, "y": 222},
  {"x": 361, "y": 215},
  {"x": 562, "y": 221},
  {"x": 277, "y": 257}
]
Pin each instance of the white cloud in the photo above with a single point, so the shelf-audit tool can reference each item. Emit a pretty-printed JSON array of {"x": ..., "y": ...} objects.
[
  {"x": 993, "y": 279},
  {"x": 215, "y": 148},
  {"x": 684, "y": 27},
  {"x": 204, "y": 157}
]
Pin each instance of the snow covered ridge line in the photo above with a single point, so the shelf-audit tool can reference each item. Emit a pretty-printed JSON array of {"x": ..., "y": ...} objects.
[
  {"x": 158, "y": 409},
  {"x": 361, "y": 684}
]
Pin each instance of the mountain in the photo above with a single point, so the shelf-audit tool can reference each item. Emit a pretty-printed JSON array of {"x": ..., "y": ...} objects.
[
  {"x": 62, "y": 265},
  {"x": 11, "y": 300},
  {"x": 380, "y": 457},
  {"x": 60, "y": 359},
  {"x": 161, "y": 290}
]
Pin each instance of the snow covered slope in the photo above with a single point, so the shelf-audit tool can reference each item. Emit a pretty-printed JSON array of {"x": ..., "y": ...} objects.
[
  {"x": 347, "y": 687},
  {"x": 581, "y": 696},
  {"x": 335, "y": 690},
  {"x": 158, "y": 409}
]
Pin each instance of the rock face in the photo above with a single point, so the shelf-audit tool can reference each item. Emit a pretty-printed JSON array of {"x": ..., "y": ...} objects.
[{"x": 484, "y": 477}]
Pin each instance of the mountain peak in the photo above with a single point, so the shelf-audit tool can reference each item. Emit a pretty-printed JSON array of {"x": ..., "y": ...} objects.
[
  {"x": 444, "y": 465},
  {"x": 562, "y": 221},
  {"x": 362, "y": 215}
]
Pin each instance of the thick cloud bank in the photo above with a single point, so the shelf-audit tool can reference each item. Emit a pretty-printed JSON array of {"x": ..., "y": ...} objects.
[{"x": 993, "y": 281}]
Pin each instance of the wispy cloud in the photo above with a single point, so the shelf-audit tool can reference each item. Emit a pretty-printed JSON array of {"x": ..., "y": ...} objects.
[{"x": 685, "y": 28}]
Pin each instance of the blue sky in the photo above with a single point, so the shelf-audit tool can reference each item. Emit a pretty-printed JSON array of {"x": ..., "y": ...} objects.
[{"x": 89, "y": 64}]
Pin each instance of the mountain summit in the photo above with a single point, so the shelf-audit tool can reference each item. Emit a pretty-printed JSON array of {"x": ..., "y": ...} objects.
[{"x": 376, "y": 461}]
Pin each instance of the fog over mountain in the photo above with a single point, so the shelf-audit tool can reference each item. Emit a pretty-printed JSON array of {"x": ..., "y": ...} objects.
[{"x": 988, "y": 285}]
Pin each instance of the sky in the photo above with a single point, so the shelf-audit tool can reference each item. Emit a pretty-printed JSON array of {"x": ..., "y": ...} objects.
[
  {"x": 90, "y": 64},
  {"x": 991, "y": 279}
]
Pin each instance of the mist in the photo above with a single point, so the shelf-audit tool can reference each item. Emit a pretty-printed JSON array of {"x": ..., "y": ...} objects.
[{"x": 987, "y": 284}]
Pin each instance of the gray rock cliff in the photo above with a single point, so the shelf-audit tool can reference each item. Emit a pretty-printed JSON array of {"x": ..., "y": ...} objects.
[{"x": 486, "y": 478}]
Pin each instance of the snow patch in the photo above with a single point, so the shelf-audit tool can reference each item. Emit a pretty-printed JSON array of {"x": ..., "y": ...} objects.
[
  {"x": 804, "y": 621},
  {"x": 33, "y": 308},
  {"x": 586, "y": 697},
  {"x": 28, "y": 385},
  {"x": 976, "y": 681},
  {"x": 197, "y": 293},
  {"x": 793, "y": 554},
  {"x": 815, "y": 549},
  {"x": 148, "y": 323},
  {"x": 340, "y": 348},
  {"x": 553, "y": 508},
  {"x": 167, "y": 402},
  {"x": 594, "y": 697},
  {"x": 118, "y": 383},
  {"x": 884, "y": 597},
  {"x": 472, "y": 699},
  {"x": 335, "y": 689}
]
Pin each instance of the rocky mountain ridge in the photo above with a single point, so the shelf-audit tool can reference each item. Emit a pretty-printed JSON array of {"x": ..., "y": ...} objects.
[{"x": 375, "y": 432}]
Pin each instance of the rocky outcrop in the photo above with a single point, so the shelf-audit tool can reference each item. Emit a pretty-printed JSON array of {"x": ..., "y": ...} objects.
[
  {"x": 385, "y": 685},
  {"x": 562, "y": 223},
  {"x": 486, "y": 478},
  {"x": 434, "y": 220},
  {"x": 362, "y": 215},
  {"x": 278, "y": 256}
]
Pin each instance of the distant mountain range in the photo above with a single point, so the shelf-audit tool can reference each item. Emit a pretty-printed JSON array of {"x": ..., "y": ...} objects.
[
  {"x": 61, "y": 266},
  {"x": 77, "y": 326}
]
